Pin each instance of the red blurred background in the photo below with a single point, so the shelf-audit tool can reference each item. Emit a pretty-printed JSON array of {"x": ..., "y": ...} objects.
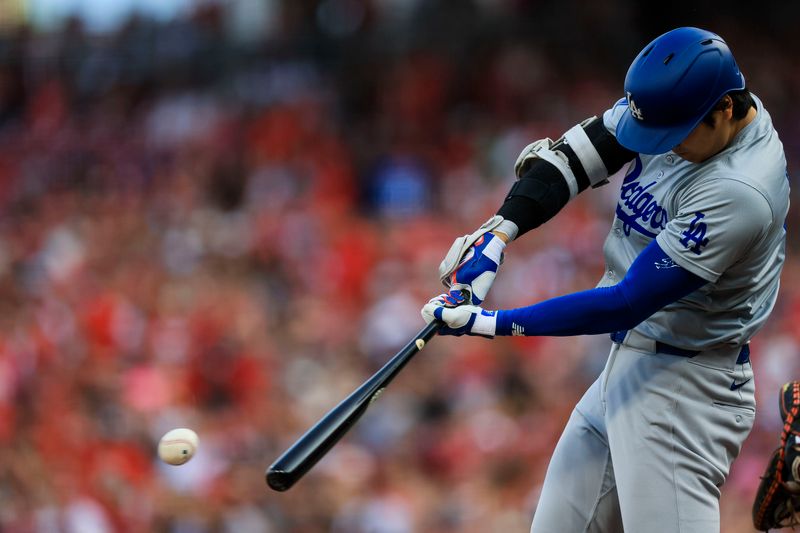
[{"x": 227, "y": 216}]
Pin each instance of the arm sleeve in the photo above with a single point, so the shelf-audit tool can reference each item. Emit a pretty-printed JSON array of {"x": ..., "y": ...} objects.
[{"x": 652, "y": 282}]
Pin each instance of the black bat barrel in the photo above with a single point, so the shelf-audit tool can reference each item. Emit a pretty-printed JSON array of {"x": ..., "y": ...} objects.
[{"x": 318, "y": 440}]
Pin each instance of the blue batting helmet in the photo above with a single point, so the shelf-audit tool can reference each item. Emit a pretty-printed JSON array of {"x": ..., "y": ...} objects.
[{"x": 671, "y": 85}]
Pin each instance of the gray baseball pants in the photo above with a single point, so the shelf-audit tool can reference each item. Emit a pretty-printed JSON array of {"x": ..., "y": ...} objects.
[{"x": 650, "y": 443}]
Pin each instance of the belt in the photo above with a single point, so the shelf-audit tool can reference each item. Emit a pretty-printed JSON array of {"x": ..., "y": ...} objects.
[{"x": 661, "y": 347}]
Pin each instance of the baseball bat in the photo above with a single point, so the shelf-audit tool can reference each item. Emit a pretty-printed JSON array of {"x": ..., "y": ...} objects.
[{"x": 317, "y": 441}]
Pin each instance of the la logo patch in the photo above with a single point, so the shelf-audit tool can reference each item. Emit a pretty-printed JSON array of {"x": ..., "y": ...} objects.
[
  {"x": 696, "y": 234},
  {"x": 635, "y": 111}
]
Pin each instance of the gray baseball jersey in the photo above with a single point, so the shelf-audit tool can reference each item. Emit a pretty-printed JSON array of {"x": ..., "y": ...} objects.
[{"x": 723, "y": 221}]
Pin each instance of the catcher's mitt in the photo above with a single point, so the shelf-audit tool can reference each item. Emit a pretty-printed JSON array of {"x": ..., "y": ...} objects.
[{"x": 777, "y": 502}]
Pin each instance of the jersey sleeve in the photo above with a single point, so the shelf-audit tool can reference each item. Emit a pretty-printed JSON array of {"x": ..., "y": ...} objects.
[
  {"x": 717, "y": 222},
  {"x": 612, "y": 116}
]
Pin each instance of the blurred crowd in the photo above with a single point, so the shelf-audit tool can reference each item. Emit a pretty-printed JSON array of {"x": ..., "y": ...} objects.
[{"x": 199, "y": 230}]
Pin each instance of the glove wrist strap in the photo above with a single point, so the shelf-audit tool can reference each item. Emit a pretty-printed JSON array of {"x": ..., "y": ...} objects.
[
  {"x": 494, "y": 250},
  {"x": 508, "y": 228},
  {"x": 485, "y": 324}
]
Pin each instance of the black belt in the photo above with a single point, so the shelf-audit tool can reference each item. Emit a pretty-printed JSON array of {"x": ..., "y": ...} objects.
[{"x": 619, "y": 336}]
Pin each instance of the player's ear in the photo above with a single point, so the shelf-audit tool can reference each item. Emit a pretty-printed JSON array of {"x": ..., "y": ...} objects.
[{"x": 726, "y": 106}]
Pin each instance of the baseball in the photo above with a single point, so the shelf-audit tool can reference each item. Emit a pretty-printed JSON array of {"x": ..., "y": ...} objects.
[{"x": 177, "y": 446}]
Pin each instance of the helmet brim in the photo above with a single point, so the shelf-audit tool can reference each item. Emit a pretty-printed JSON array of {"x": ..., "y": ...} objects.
[{"x": 644, "y": 138}]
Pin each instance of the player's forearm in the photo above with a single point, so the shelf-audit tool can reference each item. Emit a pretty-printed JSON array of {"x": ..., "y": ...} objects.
[
  {"x": 536, "y": 197},
  {"x": 600, "y": 310},
  {"x": 550, "y": 177},
  {"x": 646, "y": 288}
]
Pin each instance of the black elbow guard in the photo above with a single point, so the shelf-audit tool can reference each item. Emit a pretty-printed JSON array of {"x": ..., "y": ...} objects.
[
  {"x": 585, "y": 156},
  {"x": 593, "y": 152},
  {"x": 536, "y": 197},
  {"x": 613, "y": 154}
]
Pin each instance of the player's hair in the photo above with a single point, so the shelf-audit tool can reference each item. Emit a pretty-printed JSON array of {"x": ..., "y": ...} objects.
[{"x": 742, "y": 102}]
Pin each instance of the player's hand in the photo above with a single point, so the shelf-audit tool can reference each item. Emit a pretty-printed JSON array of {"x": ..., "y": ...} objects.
[
  {"x": 461, "y": 320},
  {"x": 473, "y": 277}
]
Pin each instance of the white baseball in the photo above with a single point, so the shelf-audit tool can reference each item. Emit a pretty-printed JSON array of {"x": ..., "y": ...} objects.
[{"x": 177, "y": 446}]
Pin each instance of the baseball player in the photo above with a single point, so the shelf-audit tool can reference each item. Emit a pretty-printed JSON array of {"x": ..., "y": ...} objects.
[{"x": 693, "y": 261}]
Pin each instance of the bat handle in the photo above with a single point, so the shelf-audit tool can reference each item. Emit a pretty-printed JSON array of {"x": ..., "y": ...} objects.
[{"x": 428, "y": 332}]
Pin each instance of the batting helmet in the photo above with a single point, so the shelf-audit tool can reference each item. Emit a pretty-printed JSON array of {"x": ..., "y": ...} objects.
[{"x": 671, "y": 85}]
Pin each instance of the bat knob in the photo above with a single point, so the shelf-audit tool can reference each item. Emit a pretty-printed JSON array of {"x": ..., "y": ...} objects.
[{"x": 278, "y": 480}]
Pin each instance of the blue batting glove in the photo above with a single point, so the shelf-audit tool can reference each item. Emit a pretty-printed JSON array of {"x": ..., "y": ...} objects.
[
  {"x": 461, "y": 320},
  {"x": 472, "y": 279}
]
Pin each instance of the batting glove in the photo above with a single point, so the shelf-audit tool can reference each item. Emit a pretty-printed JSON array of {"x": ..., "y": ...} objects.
[
  {"x": 461, "y": 320},
  {"x": 471, "y": 280}
]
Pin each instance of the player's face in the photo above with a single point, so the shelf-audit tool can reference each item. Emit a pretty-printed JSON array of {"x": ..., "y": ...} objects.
[
  {"x": 707, "y": 140},
  {"x": 703, "y": 142}
]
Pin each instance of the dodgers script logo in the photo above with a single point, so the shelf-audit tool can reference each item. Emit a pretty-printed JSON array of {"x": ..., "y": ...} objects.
[{"x": 637, "y": 208}]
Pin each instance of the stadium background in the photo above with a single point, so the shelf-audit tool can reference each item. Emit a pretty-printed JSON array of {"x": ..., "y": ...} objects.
[{"x": 225, "y": 215}]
